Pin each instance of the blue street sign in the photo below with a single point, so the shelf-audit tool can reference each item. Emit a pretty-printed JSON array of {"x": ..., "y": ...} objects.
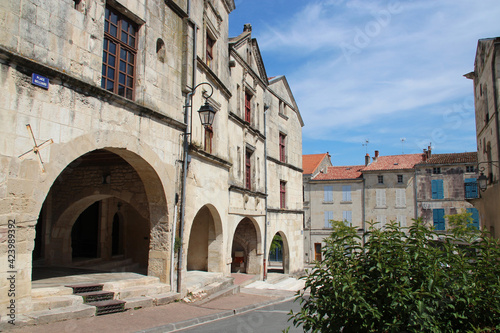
[{"x": 40, "y": 81}]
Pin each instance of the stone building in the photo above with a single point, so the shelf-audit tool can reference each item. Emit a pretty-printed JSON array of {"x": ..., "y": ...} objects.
[
  {"x": 390, "y": 189},
  {"x": 98, "y": 120},
  {"x": 444, "y": 184},
  {"x": 485, "y": 77},
  {"x": 335, "y": 193}
]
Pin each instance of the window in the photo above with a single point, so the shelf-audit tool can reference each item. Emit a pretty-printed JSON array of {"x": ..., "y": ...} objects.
[
  {"x": 400, "y": 197},
  {"x": 248, "y": 107},
  {"x": 328, "y": 218},
  {"x": 437, "y": 189},
  {"x": 328, "y": 193},
  {"x": 210, "y": 51},
  {"x": 282, "y": 147},
  {"x": 119, "y": 53},
  {"x": 401, "y": 220},
  {"x": 382, "y": 220},
  {"x": 346, "y": 193},
  {"x": 436, "y": 171},
  {"x": 380, "y": 179},
  {"x": 471, "y": 188},
  {"x": 474, "y": 216},
  {"x": 400, "y": 179},
  {"x": 469, "y": 168},
  {"x": 282, "y": 194},
  {"x": 248, "y": 170},
  {"x": 380, "y": 198},
  {"x": 347, "y": 217},
  {"x": 438, "y": 218},
  {"x": 209, "y": 134}
]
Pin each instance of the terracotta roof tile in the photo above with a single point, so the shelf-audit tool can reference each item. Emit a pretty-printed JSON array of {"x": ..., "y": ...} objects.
[
  {"x": 311, "y": 162},
  {"x": 341, "y": 172},
  {"x": 452, "y": 158},
  {"x": 394, "y": 162}
]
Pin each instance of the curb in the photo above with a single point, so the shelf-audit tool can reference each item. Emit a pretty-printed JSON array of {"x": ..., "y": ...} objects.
[{"x": 172, "y": 327}]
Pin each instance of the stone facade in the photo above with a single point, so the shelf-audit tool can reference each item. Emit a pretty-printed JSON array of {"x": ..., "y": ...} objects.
[
  {"x": 336, "y": 193},
  {"x": 446, "y": 183},
  {"x": 116, "y": 156},
  {"x": 485, "y": 77}
]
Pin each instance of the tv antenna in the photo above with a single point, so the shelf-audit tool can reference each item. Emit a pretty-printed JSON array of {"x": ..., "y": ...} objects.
[
  {"x": 402, "y": 145},
  {"x": 366, "y": 145}
]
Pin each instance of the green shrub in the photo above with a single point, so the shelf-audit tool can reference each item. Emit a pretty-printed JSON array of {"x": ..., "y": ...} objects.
[{"x": 404, "y": 280}]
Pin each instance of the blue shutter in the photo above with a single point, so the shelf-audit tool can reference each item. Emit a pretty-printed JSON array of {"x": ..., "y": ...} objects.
[
  {"x": 438, "y": 217},
  {"x": 475, "y": 217},
  {"x": 470, "y": 188},
  {"x": 437, "y": 189}
]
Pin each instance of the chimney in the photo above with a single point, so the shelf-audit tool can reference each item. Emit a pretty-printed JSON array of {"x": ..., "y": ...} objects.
[
  {"x": 376, "y": 156},
  {"x": 428, "y": 151},
  {"x": 367, "y": 159},
  {"x": 247, "y": 27},
  {"x": 424, "y": 155}
]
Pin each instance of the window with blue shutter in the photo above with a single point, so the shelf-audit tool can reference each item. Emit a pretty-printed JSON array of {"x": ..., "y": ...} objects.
[
  {"x": 347, "y": 217},
  {"x": 437, "y": 189},
  {"x": 346, "y": 193},
  {"x": 438, "y": 218},
  {"x": 475, "y": 217},
  {"x": 328, "y": 218},
  {"x": 470, "y": 188},
  {"x": 328, "y": 193}
]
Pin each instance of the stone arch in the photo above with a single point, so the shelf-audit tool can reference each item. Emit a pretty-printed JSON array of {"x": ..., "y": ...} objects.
[
  {"x": 285, "y": 251},
  {"x": 153, "y": 209},
  {"x": 245, "y": 253},
  {"x": 205, "y": 240}
]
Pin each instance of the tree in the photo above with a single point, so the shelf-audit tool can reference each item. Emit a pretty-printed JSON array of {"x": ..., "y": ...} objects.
[{"x": 404, "y": 280}]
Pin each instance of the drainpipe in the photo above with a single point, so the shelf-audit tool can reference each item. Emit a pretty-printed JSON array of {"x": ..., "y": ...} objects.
[
  {"x": 364, "y": 213},
  {"x": 187, "y": 119},
  {"x": 495, "y": 103},
  {"x": 266, "y": 107},
  {"x": 415, "y": 185}
]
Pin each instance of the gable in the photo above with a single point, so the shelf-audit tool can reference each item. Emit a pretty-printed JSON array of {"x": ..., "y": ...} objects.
[{"x": 279, "y": 86}]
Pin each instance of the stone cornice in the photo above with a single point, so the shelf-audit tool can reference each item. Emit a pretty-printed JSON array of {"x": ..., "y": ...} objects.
[
  {"x": 293, "y": 167},
  {"x": 243, "y": 190},
  {"x": 28, "y": 66},
  {"x": 208, "y": 71},
  {"x": 194, "y": 150},
  {"x": 285, "y": 211},
  {"x": 246, "y": 124}
]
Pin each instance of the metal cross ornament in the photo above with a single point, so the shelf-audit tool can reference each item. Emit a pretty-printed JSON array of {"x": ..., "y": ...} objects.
[{"x": 36, "y": 148}]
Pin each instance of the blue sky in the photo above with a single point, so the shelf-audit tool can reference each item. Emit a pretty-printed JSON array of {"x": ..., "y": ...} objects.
[{"x": 375, "y": 70}]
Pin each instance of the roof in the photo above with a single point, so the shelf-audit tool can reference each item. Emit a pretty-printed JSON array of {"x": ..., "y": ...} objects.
[
  {"x": 341, "y": 172},
  {"x": 452, "y": 158},
  {"x": 311, "y": 162},
  {"x": 394, "y": 162}
]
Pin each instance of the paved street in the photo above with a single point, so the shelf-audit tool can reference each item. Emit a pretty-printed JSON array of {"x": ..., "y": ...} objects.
[{"x": 271, "y": 318}]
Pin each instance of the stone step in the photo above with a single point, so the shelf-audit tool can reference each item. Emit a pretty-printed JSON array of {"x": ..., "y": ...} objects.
[
  {"x": 51, "y": 291},
  {"x": 95, "y": 296},
  {"x": 127, "y": 283},
  {"x": 109, "y": 306},
  {"x": 151, "y": 300},
  {"x": 274, "y": 278},
  {"x": 85, "y": 287},
  {"x": 64, "y": 313},
  {"x": 53, "y": 302},
  {"x": 231, "y": 290},
  {"x": 138, "y": 291},
  {"x": 207, "y": 290}
]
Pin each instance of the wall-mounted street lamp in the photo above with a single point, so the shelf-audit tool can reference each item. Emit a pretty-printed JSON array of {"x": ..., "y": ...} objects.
[
  {"x": 482, "y": 180},
  {"x": 207, "y": 115}
]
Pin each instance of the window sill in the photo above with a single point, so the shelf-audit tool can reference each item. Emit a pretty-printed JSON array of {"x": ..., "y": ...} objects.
[
  {"x": 346, "y": 202},
  {"x": 380, "y": 207},
  {"x": 282, "y": 115},
  {"x": 327, "y": 202}
]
